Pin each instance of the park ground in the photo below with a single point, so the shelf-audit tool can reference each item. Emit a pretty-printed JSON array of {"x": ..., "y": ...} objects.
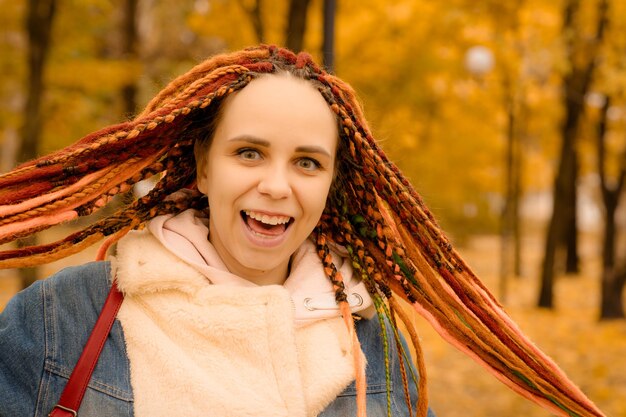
[{"x": 592, "y": 353}]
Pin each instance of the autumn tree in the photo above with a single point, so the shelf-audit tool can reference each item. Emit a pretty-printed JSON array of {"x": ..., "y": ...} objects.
[
  {"x": 328, "y": 44},
  {"x": 121, "y": 46},
  {"x": 610, "y": 140},
  {"x": 40, "y": 16},
  {"x": 613, "y": 276},
  {"x": 296, "y": 24},
  {"x": 130, "y": 52},
  {"x": 510, "y": 54},
  {"x": 582, "y": 58},
  {"x": 38, "y": 26}
]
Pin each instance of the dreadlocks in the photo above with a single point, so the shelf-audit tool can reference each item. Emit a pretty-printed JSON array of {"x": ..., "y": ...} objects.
[{"x": 394, "y": 242}]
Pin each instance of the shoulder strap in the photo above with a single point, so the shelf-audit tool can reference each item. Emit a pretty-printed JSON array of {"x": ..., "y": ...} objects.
[{"x": 72, "y": 395}]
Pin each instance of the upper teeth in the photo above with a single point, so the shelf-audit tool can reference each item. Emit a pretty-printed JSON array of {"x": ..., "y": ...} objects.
[{"x": 264, "y": 218}]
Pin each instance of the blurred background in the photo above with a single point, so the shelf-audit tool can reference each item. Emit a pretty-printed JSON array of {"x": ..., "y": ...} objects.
[{"x": 509, "y": 117}]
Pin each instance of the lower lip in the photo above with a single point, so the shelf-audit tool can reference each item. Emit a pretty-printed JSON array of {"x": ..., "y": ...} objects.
[{"x": 264, "y": 241}]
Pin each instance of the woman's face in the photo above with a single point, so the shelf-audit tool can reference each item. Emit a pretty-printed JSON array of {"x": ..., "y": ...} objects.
[{"x": 268, "y": 172}]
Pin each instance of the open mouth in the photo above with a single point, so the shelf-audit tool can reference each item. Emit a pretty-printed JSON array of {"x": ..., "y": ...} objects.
[{"x": 265, "y": 225}]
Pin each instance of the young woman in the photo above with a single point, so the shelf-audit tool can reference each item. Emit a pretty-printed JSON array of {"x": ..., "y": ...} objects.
[{"x": 264, "y": 271}]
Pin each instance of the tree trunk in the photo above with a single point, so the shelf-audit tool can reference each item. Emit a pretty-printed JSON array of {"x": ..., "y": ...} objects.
[
  {"x": 506, "y": 218},
  {"x": 575, "y": 86},
  {"x": 40, "y": 15},
  {"x": 611, "y": 306},
  {"x": 38, "y": 26},
  {"x": 558, "y": 222},
  {"x": 572, "y": 264},
  {"x": 130, "y": 53},
  {"x": 328, "y": 46},
  {"x": 561, "y": 206},
  {"x": 613, "y": 278},
  {"x": 517, "y": 190},
  {"x": 296, "y": 24}
]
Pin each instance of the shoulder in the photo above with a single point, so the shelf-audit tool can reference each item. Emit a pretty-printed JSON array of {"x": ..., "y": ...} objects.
[
  {"x": 72, "y": 299},
  {"x": 58, "y": 313},
  {"x": 74, "y": 285},
  {"x": 72, "y": 302},
  {"x": 42, "y": 331},
  {"x": 90, "y": 281}
]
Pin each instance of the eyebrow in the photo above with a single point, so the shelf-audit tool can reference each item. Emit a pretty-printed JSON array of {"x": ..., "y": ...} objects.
[{"x": 265, "y": 143}]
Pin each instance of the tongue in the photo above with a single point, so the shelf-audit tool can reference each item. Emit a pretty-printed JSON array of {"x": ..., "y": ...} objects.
[{"x": 263, "y": 228}]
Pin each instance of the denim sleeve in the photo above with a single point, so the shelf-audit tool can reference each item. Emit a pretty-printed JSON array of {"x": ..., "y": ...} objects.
[{"x": 22, "y": 351}]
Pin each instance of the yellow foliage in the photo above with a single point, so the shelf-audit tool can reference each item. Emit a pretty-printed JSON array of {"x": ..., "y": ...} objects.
[{"x": 94, "y": 75}]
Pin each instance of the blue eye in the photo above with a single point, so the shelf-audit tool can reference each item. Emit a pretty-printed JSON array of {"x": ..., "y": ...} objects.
[{"x": 308, "y": 164}]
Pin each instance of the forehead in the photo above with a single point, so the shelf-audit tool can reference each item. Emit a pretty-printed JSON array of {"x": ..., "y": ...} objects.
[
  {"x": 280, "y": 88},
  {"x": 275, "y": 105}
]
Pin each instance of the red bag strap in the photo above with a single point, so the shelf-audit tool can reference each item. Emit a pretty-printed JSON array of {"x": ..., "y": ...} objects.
[{"x": 74, "y": 391}]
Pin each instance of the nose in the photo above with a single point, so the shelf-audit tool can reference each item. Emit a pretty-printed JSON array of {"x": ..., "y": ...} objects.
[{"x": 275, "y": 183}]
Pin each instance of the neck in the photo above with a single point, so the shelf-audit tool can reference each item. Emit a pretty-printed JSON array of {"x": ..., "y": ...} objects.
[
  {"x": 250, "y": 269},
  {"x": 276, "y": 276}
]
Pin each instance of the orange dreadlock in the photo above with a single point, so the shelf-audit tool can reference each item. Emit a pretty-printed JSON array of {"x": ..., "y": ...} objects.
[{"x": 394, "y": 242}]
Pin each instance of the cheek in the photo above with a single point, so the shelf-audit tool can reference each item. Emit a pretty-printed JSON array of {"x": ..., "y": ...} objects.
[
  {"x": 225, "y": 184},
  {"x": 316, "y": 198}
]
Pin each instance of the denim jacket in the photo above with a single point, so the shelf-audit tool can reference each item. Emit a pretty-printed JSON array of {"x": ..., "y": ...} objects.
[{"x": 44, "y": 328}]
